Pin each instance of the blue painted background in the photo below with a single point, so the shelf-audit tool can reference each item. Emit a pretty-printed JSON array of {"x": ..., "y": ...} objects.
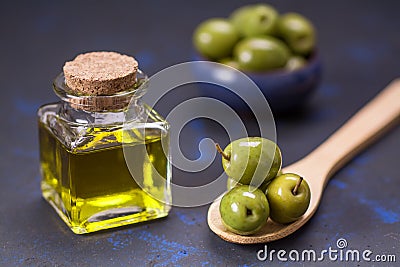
[{"x": 360, "y": 47}]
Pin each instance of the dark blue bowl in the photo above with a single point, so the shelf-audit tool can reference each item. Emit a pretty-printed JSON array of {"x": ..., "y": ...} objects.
[{"x": 285, "y": 91}]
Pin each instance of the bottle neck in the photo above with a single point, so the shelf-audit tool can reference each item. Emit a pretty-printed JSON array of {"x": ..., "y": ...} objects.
[
  {"x": 104, "y": 117},
  {"x": 113, "y": 103},
  {"x": 92, "y": 110}
]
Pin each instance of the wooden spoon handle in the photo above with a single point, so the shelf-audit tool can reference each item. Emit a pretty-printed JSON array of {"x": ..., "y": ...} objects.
[{"x": 359, "y": 131}]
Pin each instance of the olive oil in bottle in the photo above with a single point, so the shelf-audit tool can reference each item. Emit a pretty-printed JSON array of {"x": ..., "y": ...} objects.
[{"x": 85, "y": 176}]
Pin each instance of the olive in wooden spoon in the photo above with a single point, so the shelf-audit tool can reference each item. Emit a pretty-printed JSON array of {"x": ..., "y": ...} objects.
[
  {"x": 251, "y": 160},
  {"x": 244, "y": 210},
  {"x": 288, "y": 197},
  {"x": 317, "y": 167}
]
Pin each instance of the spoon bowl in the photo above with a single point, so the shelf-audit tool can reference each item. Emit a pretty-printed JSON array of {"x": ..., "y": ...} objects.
[
  {"x": 271, "y": 230},
  {"x": 318, "y": 167}
]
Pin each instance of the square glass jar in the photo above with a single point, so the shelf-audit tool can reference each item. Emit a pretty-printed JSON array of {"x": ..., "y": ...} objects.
[{"x": 83, "y": 142}]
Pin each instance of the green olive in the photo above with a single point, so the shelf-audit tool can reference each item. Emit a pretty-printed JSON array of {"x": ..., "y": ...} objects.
[
  {"x": 286, "y": 204},
  {"x": 261, "y": 53},
  {"x": 298, "y": 32},
  {"x": 252, "y": 160},
  {"x": 215, "y": 38},
  {"x": 244, "y": 210},
  {"x": 253, "y": 20},
  {"x": 262, "y": 20},
  {"x": 240, "y": 16}
]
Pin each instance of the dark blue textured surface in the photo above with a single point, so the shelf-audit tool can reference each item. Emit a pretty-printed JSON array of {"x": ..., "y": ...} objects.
[{"x": 359, "y": 44}]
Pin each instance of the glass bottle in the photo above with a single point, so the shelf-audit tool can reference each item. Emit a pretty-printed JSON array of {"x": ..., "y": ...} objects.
[{"x": 83, "y": 142}]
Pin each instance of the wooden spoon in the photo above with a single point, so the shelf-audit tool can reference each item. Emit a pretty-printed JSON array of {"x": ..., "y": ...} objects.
[{"x": 317, "y": 167}]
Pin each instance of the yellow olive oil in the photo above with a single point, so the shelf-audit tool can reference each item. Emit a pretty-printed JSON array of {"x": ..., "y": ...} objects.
[{"x": 90, "y": 185}]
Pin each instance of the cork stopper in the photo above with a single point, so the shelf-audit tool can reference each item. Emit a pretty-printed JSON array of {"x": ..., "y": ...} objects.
[
  {"x": 100, "y": 73},
  {"x": 99, "y": 81}
]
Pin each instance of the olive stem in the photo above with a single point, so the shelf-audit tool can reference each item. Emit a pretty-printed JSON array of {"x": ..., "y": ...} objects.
[
  {"x": 297, "y": 186},
  {"x": 220, "y": 151}
]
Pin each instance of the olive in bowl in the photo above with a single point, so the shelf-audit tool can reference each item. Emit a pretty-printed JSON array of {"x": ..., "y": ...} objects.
[
  {"x": 285, "y": 90},
  {"x": 279, "y": 55}
]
